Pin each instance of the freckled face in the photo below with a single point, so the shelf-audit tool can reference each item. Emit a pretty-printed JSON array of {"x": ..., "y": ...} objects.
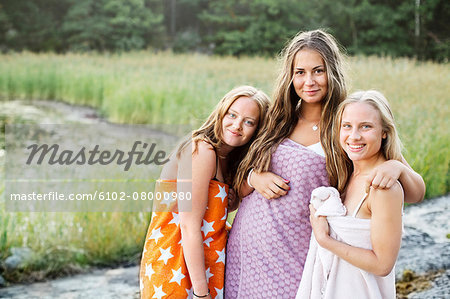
[
  {"x": 310, "y": 76},
  {"x": 240, "y": 122},
  {"x": 361, "y": 131}
]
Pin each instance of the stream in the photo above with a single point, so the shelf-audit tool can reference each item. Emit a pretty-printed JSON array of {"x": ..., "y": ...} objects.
[{"x": 423, "y": 262}]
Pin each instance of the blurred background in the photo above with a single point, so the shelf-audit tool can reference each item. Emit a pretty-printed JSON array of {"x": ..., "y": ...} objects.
[
  {"x": 412, "y": 28},
  {"x": 170, "y": 62}
]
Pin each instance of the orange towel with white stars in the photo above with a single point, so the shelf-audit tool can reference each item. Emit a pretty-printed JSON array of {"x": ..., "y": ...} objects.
[{"x": 163, "y": 272}]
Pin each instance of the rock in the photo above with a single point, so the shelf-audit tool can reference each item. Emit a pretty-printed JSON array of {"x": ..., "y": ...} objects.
[
  {"x": 424, "y": 246},
  {"x": 12, "y": 262},
  {"x": 421, "y": 260},
  {"x": 440, "y": 288},
  {"x": 2, "y": 282},
  {"x": 425, "y": 251},
  {"x": 113, "y": 283},
  {"x": 20, "y": 257},
  {"x": 413, "y": 237},
  {"x": 24, "y": 253}
]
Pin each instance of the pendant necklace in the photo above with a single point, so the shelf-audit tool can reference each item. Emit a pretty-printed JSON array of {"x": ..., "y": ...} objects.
[{"x": 314, "y": 127}]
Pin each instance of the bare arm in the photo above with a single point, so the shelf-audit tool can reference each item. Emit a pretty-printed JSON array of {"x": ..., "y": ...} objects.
[
  {"x": 268, "y": 184},
  {"x": 203, "y": 168},
  {"x": 386, "y": 232},
  {"x": 245, "y": 190},
  {"x": 385, "y": 175}
]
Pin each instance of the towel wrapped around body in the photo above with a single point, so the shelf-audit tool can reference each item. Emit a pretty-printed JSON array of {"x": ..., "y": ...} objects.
[{"x": 327, "y": 276}]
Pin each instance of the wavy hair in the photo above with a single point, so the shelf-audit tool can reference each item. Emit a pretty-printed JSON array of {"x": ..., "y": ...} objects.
[
  {"x": 282, "y": 112},
  {"x": 211, "y": 130},
  {"x": 391, "y": 146}
]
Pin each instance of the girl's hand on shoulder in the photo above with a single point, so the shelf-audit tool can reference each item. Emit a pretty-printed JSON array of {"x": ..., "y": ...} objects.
[
  {"x": 269, "y": 185},
  {"x": 319, "y": 225},
  {"x": 385, "y": 175}
]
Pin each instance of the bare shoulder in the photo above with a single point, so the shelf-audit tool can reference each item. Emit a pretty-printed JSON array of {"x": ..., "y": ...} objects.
[
  {"x": 204, "y": 150},
  {"x": 389, "y": 197},
  {"x": 200, "y": 160},
  {"x": 204, "y": 158}
]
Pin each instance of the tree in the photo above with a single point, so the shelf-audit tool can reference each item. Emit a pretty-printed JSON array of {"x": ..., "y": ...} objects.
[
  {"x": 33, "y": 25},
  {"x": 434, "y": 41},
  {"x": 248, "y": 27},
  {"x": 112, "y": 25}
]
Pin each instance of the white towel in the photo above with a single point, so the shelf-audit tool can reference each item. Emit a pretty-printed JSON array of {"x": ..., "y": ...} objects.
[{"x": 325, "y": 275}]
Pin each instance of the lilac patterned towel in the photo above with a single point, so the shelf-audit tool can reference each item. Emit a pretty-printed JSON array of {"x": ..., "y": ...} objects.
[{"x": 269, "y": 240}]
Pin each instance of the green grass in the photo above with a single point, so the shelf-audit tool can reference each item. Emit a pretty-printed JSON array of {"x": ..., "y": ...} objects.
[
  {"x": 134, "y": 88},
  {"x": 66, "y": 242},
  {"x": 146, "y": 87}
]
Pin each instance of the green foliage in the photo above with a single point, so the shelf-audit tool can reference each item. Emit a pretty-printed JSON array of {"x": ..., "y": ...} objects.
[
  {"x": 226, "y": 27},
  {"x": 435, "y": 43},
  {"x": 374, "y": 27},
  {"x": 186, "y": 41},
  {"x": 32, "y": 25},
  {"x": 111, "y": 25},
  {"x": 255, "y": 27}
]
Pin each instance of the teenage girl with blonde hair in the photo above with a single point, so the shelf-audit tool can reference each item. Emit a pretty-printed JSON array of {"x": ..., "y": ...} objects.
[
  {"x": 364, "y": 242},
  {"x": 184, "y": 252}
]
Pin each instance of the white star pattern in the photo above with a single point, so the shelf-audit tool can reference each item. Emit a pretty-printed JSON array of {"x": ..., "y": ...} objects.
[
  {"x": 156, "y": 234},
  {"x": 149, "y": 271},
  {"x": 207, "y": 227},
  {"x": 221, "y": 256},
  {"x": 165, "y": 255},
  {"x": 207, "y": 241},
  {"x": 167, "y": 200},
  {"x": 177, "y": 276},
  {"x": 222, "y": 193},
  {"x": 153, "y": 216},
  {"x": 208, "y": 274},
  {"x": 219, "y": 293},
  {"x": 173, "y": 271},
  {"x": 227, "y": 225},
  {"x": 190, "y": 292},
  {"x": 176, "y": 219},
  {"x": 158, "y": 292}
]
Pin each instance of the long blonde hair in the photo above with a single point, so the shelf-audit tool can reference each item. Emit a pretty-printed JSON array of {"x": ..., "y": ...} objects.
[
  {"x": 283, "y": 114},
  {"x": 391, "y": 146},
  {"x": 211, "y": 130}
]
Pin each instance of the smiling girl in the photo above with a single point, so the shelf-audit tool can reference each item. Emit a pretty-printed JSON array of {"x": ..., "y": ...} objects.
[
  {"x": 184, "y": 252},
  {"x": 365, "y": 242}
]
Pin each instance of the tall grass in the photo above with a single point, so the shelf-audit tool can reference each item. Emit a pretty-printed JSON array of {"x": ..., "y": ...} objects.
[
  {"x": 146, "y": 87},
  {"x": 134, "y": 88},
  {"x": 66, "y": 242},
  {"x": 419, "y": 94}
]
